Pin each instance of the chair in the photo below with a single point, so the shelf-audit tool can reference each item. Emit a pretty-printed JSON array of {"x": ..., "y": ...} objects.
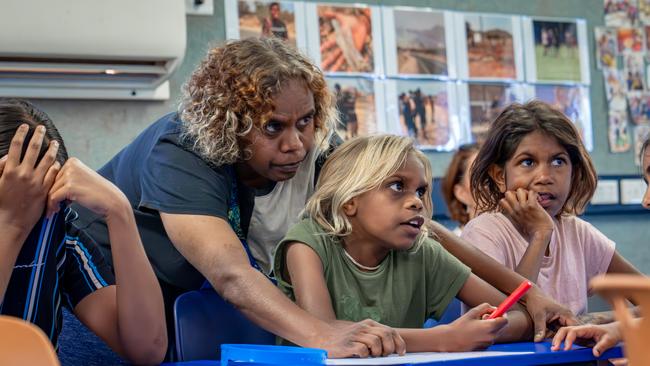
[
  {"x": 204, "y": 321},
  {"x": 23, "y": 343},
  {"x": 616, "y": 289}
]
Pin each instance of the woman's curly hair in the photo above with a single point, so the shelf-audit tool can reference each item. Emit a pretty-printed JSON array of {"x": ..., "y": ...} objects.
[{"x": 231, "y": 92}]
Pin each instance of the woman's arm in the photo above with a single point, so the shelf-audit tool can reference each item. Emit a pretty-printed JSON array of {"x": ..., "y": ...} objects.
[
  {"x": 129, "y": 316},
  {"x": 541, "y": 308}
]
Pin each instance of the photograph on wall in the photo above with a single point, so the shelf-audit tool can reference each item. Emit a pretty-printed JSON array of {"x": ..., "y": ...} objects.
[
  {"x": 618, "y": 133},
  {"x": 490, "y": 46},
  {"x": 620, "y": 13},
  {"x": 420, "y": 38},
  {"x": 606, "y": 47},
  {"x": 644, "y": 11},
  {"x": 614, "y": 83},
  {"x": 641, "y": 134},
  {"x": 557, "y": 50},
  {"x": 424, "y": 114},
  {"x": 355, "y": 102},
  {"x": 486, "y": 101},
  {"x": 267, "y": 19},
  {"x": 630, "y": 40},
  {"x": 639, "y": 104},
  {"x": 634, "y": 72},
  {"x": 573, "y": 101},
  {"x": 345, "y": 39}
]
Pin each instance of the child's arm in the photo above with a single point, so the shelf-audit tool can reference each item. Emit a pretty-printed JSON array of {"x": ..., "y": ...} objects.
[
  {"x": 533, "y": 223},
  {"x": 606, "y": 336},
  {"x": 129, "y": 316},
  {"x": 304, "y": 270},
  {"x": 23, "y": 190},
  {"x": 540, "y": 307}
]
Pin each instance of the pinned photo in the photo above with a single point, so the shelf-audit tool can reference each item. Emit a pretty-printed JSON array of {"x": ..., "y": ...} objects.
[
  {"x": 614, "y": 83},
  {"x": 618, "y": 132},
  {"x": 570, "y": 100},
  {"x": 345, "y": 38},
  {"x": 630, "y": 40},
  {"x": 424, "y": 114},
  {"x": 633, "y": 72},
  {"x": 557, "y": 52},
  {"x": 639, "y": 107},
  {"x": 421, "y": 42},
  {"x": 355, "y": 101},
  {"x": 486, "y": 102},
  {"x": 490, "y": 46},
  {"x": 644, "y": 11},
  {"x": 620, "y": 13},
  {"x": 606, "y": 47},
  {"x": 267, "y": 19}
]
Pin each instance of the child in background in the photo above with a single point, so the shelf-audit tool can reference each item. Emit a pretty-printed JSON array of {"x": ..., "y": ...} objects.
[
  {"x": 362, "y": 252},
  {"x": 46, "y": 262},
  {"x": 530, "y": 180},
  {"x": 456, "y": 189},
  {"x": 606, "y": 336}
]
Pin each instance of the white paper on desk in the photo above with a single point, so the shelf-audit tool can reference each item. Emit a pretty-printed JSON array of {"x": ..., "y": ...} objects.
[{"x": 420, "y": 357}]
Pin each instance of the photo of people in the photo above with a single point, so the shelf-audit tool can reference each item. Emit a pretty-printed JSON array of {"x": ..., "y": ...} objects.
[
  {"x": 486, "y": 101},
  {"x": 490, "y": 47},
  {"x": 267, "y": 19},
  {"x": 630, "y": 40},
  {"x": 618, "y": 134},
  {"x": 420, "y": 39},
  {"x": 557, "y": 55},
  {"x": 355, "y": 101},
  {"x": 614, "y": 83},
  {"x": 424, "y": 114},
  {"x": 568, "y": 100},
  {"x": 639, "y": 107},
  {"x": 634, "y": 72},
  {"x": 345, "y": 38},
  {"x": 644, "y": 11},
  {"x": 620, "y": 13},
  {"x": 606, "y": 46}
]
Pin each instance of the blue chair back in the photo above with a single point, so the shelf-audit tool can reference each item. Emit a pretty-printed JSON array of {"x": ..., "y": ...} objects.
[
  {"x": 204, "y": 320},
  {"x": 451, "y": 313}
]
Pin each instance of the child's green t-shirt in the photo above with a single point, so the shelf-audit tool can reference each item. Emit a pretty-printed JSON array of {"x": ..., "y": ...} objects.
[{"x": 407, "y": 288}]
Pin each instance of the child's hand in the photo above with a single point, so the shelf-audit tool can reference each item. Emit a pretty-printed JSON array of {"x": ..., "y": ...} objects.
[
  {"x": 526, "y": 214},
  {"x": 78, "y": 183},
  {"x": 471, "y": 331},
  {"x": 606, "y": 336},
  {"x": 24, "y": 184}
]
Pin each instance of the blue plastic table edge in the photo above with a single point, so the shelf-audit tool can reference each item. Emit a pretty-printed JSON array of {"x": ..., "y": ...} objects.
[{"x": 577, "y": 354}]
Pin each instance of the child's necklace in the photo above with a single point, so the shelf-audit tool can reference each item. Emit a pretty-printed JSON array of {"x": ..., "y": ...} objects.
[{"x": 359, "y": 264}]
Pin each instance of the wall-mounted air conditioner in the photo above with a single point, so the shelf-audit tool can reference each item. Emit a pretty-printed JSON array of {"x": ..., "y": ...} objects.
[{"x": 90, "y": 49}]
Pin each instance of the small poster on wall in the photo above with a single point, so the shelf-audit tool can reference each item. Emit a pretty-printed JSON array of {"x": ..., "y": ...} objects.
[
  {"x": 634, "y": 72},
  {"x": 606, "y": 46},
  {"x": 630, "y": 40},
  {"x": 424, "y": 110},
  {"x": 620, "y": 13},
  {"x": 245, "y": 18},
  {"x": 619, "y": 134},
  {"x": 491, "y": 46},
  {"x": 639, "y": 107},
  {"x": 419, "y": 43},
  {"x": 357, "y": 106},
  {"x": 559, "y": 50},
  {"x": 644, "y": 11},
  {"x": 573, "y": 101}
]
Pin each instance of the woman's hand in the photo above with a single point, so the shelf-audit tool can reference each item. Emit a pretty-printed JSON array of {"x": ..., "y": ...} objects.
[
  {"x": 473, "y": 330},
  {"x": 606, "y": 336},
  {"x": 522, "y": 208}
]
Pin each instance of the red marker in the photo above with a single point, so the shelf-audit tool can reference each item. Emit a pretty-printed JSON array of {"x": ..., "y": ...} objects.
[{"x": 511, "y": 300}]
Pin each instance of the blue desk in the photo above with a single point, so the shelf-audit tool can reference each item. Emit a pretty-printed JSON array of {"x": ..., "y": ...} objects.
[{"x": 542, "y": 356}]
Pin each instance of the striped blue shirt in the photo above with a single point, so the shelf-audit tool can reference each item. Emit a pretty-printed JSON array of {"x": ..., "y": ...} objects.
[{"x": 57, "y": 265}]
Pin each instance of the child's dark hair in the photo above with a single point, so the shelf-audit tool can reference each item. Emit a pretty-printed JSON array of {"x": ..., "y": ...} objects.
[
  {"x": 454, "y": 175},
  {"x": 510, "y": 127},
  {"x": 15, "y": 112}
]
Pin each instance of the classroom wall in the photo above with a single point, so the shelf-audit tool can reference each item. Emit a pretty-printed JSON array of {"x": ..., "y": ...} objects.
[{"x": 96, "y": 130}]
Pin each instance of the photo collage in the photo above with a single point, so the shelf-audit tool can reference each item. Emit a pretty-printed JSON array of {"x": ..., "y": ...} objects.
[
  {"x": 437, "y": 76},
  {"x": 622, "y": 52}
]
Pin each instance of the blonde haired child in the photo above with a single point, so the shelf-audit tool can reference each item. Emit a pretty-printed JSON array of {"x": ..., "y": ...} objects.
[
  {"x": 530, "y": 179},
  {"x": 362, "y": 252}
]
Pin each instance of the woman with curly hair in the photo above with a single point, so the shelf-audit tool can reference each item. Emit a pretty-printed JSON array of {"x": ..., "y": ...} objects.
[{"x": 216, "y": 185}]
